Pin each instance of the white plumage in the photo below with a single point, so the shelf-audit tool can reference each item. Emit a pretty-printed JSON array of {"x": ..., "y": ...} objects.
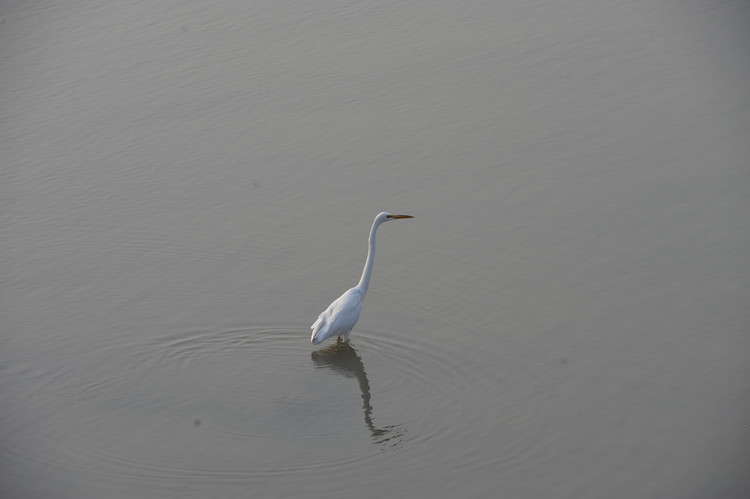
[{"x": 341, "y": 315}]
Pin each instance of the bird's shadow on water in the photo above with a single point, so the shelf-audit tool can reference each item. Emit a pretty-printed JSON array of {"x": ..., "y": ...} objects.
[{"x": 343, "y": 359}]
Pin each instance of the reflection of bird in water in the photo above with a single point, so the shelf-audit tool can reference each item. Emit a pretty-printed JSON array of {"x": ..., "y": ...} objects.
[{"x": 344, "y": 359}]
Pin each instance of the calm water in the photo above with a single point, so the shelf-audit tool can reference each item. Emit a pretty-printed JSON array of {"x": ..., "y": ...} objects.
[{"x": 186, "y": 185}]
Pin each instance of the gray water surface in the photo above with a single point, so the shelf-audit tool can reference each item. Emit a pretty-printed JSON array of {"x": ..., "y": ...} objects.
[{"x": 187, "y": 185}]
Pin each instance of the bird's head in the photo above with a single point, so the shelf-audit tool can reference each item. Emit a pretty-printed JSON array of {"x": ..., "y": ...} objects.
[{"x": 385, "y": 217}]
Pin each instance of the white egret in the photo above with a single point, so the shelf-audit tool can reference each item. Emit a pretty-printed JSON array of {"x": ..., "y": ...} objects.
[{"x": 341, "y": 315}]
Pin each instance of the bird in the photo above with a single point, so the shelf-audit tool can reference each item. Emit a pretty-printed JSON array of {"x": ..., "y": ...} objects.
[{"x": 341, "y": 315}]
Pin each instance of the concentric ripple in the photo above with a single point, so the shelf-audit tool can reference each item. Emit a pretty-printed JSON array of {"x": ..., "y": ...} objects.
[{"x": 258, "y": 401}]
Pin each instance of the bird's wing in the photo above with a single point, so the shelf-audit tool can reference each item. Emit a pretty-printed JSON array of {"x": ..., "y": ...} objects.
[
  {"x": 320, "y": 322},
  {"x": 340, "y": 317}
]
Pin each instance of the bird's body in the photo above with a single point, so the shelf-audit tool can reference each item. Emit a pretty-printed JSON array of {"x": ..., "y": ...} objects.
[
  {"x": 339, "y": 318},
  {"x": 341, "y": 315}
]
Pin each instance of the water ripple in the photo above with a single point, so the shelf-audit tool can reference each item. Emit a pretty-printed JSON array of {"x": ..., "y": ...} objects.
[{"x": 256, "y": 401}]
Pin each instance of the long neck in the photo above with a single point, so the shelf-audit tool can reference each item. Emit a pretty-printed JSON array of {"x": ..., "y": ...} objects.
[{"x": 364, "y": 281}]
